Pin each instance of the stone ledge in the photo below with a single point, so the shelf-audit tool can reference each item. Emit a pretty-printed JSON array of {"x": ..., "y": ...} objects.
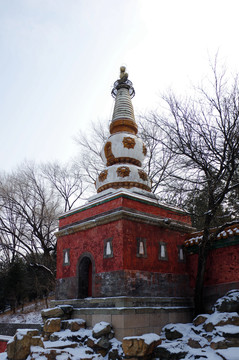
[
  {"x": 126, "y": 302},
  {"x": 125, "y": 311}
]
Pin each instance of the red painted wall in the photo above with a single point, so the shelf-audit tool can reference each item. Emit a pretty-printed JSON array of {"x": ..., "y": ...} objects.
[
  {"x": 153, "y": 235},
  {"x": 156, "y": 210},
  {"x": 124, "y": 234},
  {"x": 3, "y": 346},
  {"x": 92, "y": 241},
  {"x": 131, "y": 270},
  {"x": 222, "y": 266},
  {"x": 86, "y": 212}
]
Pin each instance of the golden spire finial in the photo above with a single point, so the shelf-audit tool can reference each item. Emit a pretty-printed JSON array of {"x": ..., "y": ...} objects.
[{"x": 123, "y": 74}]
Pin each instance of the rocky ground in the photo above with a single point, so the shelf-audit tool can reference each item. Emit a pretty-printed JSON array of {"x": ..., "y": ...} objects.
[{"x": 212, "y": 336}]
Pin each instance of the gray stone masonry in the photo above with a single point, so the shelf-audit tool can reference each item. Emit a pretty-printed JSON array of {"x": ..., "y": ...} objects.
[{"x": 131, "y": 316}]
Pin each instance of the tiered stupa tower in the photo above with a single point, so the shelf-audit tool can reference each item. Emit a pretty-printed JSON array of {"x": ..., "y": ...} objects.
[
  {"x": 123, "y": 248},
  {"x": 124, "y": 152}
]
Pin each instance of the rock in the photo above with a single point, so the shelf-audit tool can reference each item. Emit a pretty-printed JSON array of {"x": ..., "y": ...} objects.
[
  {"x": 73, "y": 325},
  {"x": 226, "y": 336},
  {"x": 220, "y": 319},
  {"x": 93, "y": 344},
  {"x": 116, "y": 352},
  {"x": 52, "y": 325},
  {"x": 227, "y": 331},
  {"x": 55, "y": 312},
  {"x": 104, "y": 343},
  {"x": 197, "y": 341},
  {"x": 114, "y": 355},
  {"x": 61, "y": 311},
  {"x": 19, "y": 347},
  {"x": 67, "y": 309},
  {"x": 62, "y": 344},
  {"x": 197, "y": 330},
  {"x": 101, "y": 328},
  {"x": 53, "y": 353},
  {"x": 37, "y": 341},
  {"x": 56, "y": 337},
  {"x": 219, "y": 343},
  {"x": 228, "y": 303},
  {"x": 207, "y": 336},
  {"x": 80, "y": 337},
  {"x": 200, "y": 354},
  {"x": 169, "y": 353},
  {"x": 193, "y": 343},
  {"x": 200, "y": 319},
  {"x": 136, "y": 346},
  {"x": 99, "y": 344},
  {"x": 49, "y": 354},
  {"x": 173, "y": 332}
]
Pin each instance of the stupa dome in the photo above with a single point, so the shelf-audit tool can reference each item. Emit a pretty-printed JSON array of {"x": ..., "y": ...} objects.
[{"x": 123, "y": 153}]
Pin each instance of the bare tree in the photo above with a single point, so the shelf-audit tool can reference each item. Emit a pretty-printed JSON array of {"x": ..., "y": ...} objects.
[
  {"x": 67, "y": 180},
  {"x": 89, "y": 159},
  {"x": 28, "y": 213},
  {"x": 11, "y": 233},
  {"x": 31, "y": 200},
  {"x": 159, "y": 163},
  {"x": 203, "y": 134}
]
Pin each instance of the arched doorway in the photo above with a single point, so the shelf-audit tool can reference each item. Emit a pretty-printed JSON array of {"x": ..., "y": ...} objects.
[{"x": 85, "y": 277}]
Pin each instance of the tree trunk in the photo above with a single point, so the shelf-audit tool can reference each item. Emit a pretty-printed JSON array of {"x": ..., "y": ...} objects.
[{"x": 201, "y": 268}]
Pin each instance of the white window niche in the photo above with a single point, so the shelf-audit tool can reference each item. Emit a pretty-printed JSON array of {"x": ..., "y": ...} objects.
[
  {"x": 141, "y": 248},
  {"x": 181, "y": 253},
  {"x": 108, "y": 248},
  {"x": 163, "y": 253},
  {"x": 66, "y": 257}
]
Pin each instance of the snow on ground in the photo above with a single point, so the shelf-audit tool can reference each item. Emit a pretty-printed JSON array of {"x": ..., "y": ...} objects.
[
  {"x": 31, "y": 314},
  {"x": 3, "y": 356},
  {"x": 229, "y": 354}
]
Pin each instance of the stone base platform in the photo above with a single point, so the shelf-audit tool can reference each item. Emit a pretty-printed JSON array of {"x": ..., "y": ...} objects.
[{"x": 131, "y": 316}]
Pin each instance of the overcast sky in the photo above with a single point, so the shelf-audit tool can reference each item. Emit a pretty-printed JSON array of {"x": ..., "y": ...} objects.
[{"x": 60, "y": 58}]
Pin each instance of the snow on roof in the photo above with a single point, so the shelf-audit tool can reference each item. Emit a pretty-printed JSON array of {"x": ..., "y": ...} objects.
[
  {"x": 5, "y": 338},
  {"x": 226, "y": 233}
]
